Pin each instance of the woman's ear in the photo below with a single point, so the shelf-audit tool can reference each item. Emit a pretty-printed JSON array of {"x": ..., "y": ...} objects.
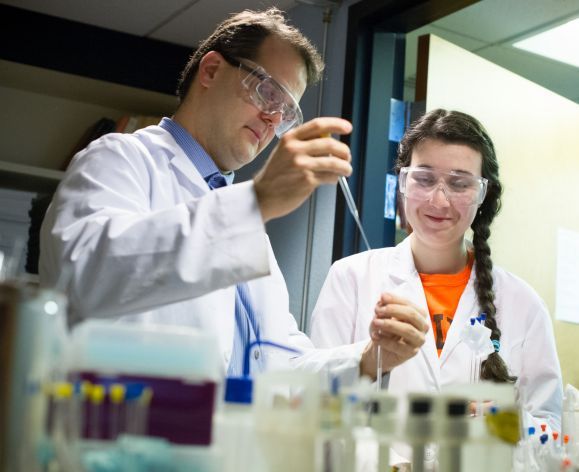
[{"x": 208, "y": 68}]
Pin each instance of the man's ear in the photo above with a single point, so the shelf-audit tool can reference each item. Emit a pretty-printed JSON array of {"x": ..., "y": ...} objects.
[{"x": 209, "y": 67}]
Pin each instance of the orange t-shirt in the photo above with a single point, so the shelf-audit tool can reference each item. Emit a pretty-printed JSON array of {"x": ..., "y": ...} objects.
[{"x": 443, "y": 292}]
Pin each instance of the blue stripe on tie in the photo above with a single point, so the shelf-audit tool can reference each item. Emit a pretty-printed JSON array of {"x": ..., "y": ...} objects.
[
  {"x": 246, "y": 325},
  {"x": 246, "y": 329}
]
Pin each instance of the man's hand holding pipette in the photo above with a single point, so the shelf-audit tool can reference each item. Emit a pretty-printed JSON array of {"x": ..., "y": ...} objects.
[
  {"x": 399, "y": 328},
  {"x": 305, "y": 158}
]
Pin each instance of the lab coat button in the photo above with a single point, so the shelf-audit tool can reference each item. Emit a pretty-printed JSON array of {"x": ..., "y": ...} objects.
[{"x": 256, "y": 354}]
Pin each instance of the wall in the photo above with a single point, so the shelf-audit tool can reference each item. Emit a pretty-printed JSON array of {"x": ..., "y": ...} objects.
[{"x": 535, "y": 134}]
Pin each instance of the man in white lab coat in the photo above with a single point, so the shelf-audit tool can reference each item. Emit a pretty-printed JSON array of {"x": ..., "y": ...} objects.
[{"x": 150, "y": 237}]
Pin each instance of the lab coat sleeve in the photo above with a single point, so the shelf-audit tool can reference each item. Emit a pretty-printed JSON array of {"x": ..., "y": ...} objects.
[
  {"x": 125, "y": 257},
  {"x": 342, "y": 362},
  {"x": 334, "y": 316},
  {"x": 279, "y": 324},
  {"x": 332, "y": 328},
  {"x": 540, "y": 384}
]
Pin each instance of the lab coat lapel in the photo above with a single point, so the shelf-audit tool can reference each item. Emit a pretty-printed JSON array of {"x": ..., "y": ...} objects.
[
  {"x": 466, "y": 309},
  {"x": 409, "y": 286},
  {"x": 187, "y": 173}
]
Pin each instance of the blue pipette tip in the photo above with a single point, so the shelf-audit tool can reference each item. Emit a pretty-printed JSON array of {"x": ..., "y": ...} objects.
[
  {"x": 472, "y": 321},
  {"x": 531, "y": 430},
  {"x": 543, "y": 438}
]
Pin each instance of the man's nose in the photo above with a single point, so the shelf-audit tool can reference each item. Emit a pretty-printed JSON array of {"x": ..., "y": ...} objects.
[{"x": 272, "y": 118}]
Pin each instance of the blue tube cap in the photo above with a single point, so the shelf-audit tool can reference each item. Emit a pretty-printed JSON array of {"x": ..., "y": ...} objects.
[{"x": 238, "y": 390}]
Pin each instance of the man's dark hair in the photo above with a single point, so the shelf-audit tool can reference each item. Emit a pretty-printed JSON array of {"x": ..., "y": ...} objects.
[{"x": 242, "y": 34}]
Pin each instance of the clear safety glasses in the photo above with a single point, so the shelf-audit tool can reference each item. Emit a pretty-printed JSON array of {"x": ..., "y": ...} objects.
[
  {"x": 420, "y": 183},
  {"x": 267, "y": 95}
]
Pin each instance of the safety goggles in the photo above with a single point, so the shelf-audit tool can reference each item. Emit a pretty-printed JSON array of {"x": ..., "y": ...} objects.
[
  {"x": 268, "y": 95},
  {"x": 420, "y": 183}
]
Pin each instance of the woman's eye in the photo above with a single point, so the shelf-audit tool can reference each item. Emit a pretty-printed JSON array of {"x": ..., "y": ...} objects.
[
  {"x": 460, "y": 184},
  {"x": 424, "y": 180}
]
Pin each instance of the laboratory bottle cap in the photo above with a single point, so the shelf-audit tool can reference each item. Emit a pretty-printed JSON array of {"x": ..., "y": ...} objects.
[
  {"x": 531, "y": 430},
  {"x": 420, "y": 407},
  {"x": 239, "y": 390},
  {"x": 457, "y": 408},
  {"x": 133, "y": 391},
  {"x": 543, "y": 438}
]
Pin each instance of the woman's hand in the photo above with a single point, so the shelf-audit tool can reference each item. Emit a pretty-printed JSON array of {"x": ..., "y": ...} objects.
[{"x": 398, "y": 327}]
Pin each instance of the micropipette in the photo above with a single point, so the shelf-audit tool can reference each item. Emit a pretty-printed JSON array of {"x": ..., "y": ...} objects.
[
  {"x": 354, "y": 212},
  {"x": 350, "y": 202},
  {"x": 352, "y": 207}
]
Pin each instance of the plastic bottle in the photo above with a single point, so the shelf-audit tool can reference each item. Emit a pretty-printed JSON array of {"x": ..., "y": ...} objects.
[
  {"x": 452, "y": 431},
  {"x": 384, "y": 420},
  {"x": 235, "y": 428},
  {"x": 237, "y": 436},
  {"x": 331, "y": 444},
  {"x": 419, "y": 431}
]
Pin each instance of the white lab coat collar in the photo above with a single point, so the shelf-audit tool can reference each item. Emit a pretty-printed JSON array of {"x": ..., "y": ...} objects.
[
  {"x": 164, "y": 142},
  {"x": 404, "y": 275}
]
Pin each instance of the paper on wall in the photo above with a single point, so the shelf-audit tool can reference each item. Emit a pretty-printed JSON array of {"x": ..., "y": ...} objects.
[{"x": 567, "y": 287}]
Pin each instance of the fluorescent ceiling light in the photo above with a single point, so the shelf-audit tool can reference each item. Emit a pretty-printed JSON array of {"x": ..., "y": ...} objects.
[{"x": 559, "y": 43}]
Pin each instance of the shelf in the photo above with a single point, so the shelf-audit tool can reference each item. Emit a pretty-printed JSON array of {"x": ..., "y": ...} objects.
[
  {"x": 28, "y": 178},
  {"x": 84, "y": 89}
]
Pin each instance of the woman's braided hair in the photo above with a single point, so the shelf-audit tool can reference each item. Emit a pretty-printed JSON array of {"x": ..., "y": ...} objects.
[{"x": 459, "y": 128}]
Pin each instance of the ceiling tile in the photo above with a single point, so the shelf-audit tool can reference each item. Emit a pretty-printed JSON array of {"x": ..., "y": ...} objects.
[
  {"x": 496, "y": 20},
  {"x": 198, "y": 21},
  {"x": 136, "y": 17}
]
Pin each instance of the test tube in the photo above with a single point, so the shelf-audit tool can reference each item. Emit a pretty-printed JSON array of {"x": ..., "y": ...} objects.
[
  {"x": 97, "y": 396},
  {"x": 62, "y": 401},
  {"x": 78, "y": 410},
  {"x": 138, "y": 400},
  {"x": 116, "y": 396},
  {"x": 143, "y": 405}
]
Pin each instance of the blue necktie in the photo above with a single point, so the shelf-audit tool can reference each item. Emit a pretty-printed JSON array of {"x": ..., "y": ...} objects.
[{"x": 246, "y": 326}]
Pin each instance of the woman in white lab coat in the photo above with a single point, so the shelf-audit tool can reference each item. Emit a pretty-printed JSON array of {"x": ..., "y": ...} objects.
[{"x": 448, "y": 176}]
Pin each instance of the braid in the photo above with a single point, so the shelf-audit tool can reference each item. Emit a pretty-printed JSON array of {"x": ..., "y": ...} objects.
[{"x": 493, "y": 368}]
